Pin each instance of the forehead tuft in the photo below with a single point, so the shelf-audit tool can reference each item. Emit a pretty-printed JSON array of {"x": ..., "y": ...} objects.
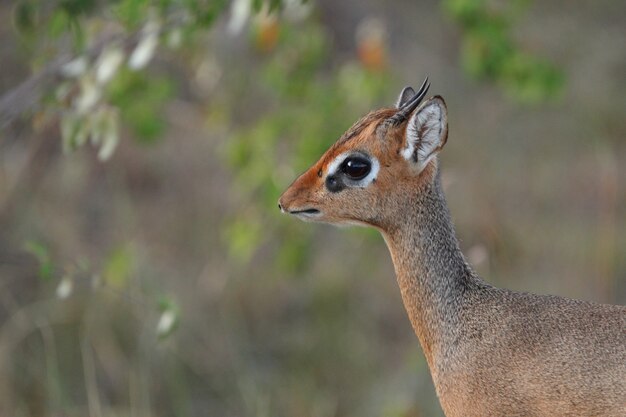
[
  {"x": 363, "y": 128},
  {"x": 372, "y": 119}
]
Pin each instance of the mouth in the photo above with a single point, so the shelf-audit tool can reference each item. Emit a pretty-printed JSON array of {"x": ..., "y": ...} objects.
[
  {"x": 306, "y": 214},
  {"x": 310, "y": 211},
  {"x": 303, "y": 214}
]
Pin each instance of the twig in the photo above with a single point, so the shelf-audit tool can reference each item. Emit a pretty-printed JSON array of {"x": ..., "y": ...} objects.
[
  {"x": 27, "y": 96},
  {"x": 91, "y": 384}
]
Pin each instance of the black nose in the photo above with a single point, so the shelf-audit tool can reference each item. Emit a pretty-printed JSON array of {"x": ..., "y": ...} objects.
[{"x": 280, "y": 207}]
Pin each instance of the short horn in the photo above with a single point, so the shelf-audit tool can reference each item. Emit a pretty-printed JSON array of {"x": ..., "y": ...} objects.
[{"x": 403, "y": 112}]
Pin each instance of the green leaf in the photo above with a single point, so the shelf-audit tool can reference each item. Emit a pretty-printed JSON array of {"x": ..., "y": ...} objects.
[
  {"x": 70, "y": 126},
  {"x": 25, "y": 17},
  {"x": 205, "y": 12},
  {"x": 243, "y": 237},
  {"x": 467, "y": 12},
  {"x": 40, "y": 251},
  {"x": 118, "y": 267},
  {"x": 141, "y": 99},
  {"x": 59, "y": 23},
  {"x": 488, "y": 51},
  {"x": 257, "y": 5},
  {"x": 294, "y": 256},
  {"x": 275, "y": 5},
  {"x": 132, "y": 13},
  {"x": 78, "y": 7}
]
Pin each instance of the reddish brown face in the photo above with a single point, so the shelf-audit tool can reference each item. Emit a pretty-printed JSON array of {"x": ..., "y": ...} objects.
[{"x": 361, "y": 178}]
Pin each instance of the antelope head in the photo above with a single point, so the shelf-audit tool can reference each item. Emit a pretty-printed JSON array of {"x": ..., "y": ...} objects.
[{"x": 369, "y": 173}]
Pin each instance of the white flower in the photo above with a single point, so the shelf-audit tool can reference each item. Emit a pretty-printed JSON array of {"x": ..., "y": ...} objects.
[
  {"x": 110, "y": 135},
  {"x": 65, "y": 288},
  {"x": 297, "y": 10},
  {"x": 75, "y": 68},
  {"x": 90, "y": 93},
  {"x": 166, "y": 323},
  {"x": 145, "y": 49},
  {"x": 108, "y": 63},
  {"x": 239, "y": 15}
]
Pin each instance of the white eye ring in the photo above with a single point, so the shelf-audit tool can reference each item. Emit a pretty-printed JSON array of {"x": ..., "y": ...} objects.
[{"x": 336, "y": 164}]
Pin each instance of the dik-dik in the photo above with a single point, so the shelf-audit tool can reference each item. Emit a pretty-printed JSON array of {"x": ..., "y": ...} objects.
[{"x": 491, "y": 351}]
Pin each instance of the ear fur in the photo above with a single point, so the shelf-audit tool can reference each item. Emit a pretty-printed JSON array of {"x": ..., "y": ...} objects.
[
  {"x": 404, "y": 96},
  {"x": 426, "y": 132}
]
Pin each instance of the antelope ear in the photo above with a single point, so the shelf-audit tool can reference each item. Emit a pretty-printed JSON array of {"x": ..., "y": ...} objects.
[
  {"x": 405, "y": 95},
  {"x": 426, "y": 132}
]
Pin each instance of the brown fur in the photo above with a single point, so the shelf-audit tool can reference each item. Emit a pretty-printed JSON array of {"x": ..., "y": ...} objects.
[{"x": 491, "y": 351}]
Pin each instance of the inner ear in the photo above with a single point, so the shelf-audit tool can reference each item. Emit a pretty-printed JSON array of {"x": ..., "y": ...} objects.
[
  {"x": 406, "y": 94},
  {"x": 426, "y": 132}
]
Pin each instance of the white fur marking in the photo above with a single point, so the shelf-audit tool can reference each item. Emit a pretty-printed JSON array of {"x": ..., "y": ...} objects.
[
  {"x": 407, "y": 152},
  {"x": 307, "y": 217},
  {"x": 372, "y": 175},
  {"x": 333, "y": 166}
]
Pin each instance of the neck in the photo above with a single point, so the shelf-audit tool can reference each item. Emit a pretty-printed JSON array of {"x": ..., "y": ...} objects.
[{"x": 431, "y": 271}]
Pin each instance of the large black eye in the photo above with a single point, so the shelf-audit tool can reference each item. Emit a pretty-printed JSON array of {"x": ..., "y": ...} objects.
[{"x": 356, "y": 168}]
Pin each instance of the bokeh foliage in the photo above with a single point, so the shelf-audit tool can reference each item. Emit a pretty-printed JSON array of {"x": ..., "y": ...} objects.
[
  {"x": 488, "y": 50},
  {"x": 114, "y": 41},
  {"x": 118, "y": 84},
  {"x": 277, "y": 145}
]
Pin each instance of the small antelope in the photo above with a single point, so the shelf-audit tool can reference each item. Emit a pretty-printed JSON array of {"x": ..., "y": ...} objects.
[{"x": 491, "y": 351}]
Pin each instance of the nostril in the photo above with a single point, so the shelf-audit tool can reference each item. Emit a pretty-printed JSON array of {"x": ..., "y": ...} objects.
[{"x": 280, "y": 207}]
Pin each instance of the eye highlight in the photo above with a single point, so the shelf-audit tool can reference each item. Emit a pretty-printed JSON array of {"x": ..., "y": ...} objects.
[
  {"x": 356, "y": 168},
  {"x": 351, "y": 170}
]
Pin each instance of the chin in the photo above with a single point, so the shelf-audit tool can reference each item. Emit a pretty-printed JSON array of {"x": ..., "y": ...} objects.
[{"x": 343, "y": 223}]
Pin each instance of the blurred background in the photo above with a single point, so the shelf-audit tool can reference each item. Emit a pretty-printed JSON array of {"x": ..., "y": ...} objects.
[{"x": 144, "y": 267}]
